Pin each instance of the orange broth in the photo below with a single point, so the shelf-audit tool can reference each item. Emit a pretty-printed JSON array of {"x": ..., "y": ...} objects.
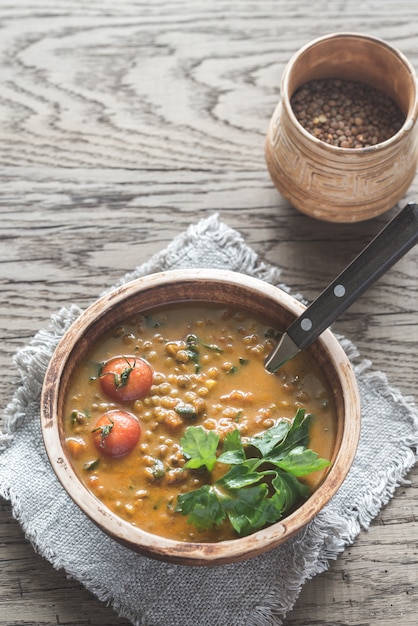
[{"x": 227, "y": 388}]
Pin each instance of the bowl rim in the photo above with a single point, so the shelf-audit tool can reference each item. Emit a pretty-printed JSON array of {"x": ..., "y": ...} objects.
[{"x": 154, "y": 545}]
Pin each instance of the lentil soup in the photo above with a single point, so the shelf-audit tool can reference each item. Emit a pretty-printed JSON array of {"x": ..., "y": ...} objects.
[{"x": 207, "y": 366}]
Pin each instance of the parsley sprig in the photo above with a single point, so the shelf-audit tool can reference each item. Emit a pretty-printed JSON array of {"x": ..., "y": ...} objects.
[{"x": 261, "y": 483}]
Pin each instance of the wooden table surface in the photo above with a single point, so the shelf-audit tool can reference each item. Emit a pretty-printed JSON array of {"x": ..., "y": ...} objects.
[{"x": 121, "y": 124}]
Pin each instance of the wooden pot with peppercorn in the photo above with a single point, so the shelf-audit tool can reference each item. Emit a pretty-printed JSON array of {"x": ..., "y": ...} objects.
[{"x": 342, "y": 143}]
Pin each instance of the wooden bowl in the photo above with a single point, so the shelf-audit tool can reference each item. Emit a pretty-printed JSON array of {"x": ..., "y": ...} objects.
[
  {"x": 344, "y": 184},
  {"x": 203, "y": 285}
]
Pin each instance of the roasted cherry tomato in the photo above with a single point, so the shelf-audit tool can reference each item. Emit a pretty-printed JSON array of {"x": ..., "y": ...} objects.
[
  {"x": 116, "y": 432},
  {"x": 126, "y": 378}
]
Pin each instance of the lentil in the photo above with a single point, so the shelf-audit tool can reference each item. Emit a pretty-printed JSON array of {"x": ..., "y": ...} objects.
[{"x": 346, "y": 114}]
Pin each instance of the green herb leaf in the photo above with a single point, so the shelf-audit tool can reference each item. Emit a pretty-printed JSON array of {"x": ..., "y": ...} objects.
[
  {"x": 301, "y": 462},
  {"x": 157, "y": 469},
  {"x": 233, "y": 450},
  {"x": 237, "y": 477},
  {"x": 200, "y": 446},
  {"x": 270, "y": 438},
  {"x": 89, "y": 466},
  {"x": 121, "y": 380},
  {"x": 105, "y": 430},
  {"x": 186, "y": 410},
  {"x": 299, "y": 431},
  {"x": 238, "y": 416},
  {"x": 203, "y": 508},
  {"x": 213, "y": 346},
  {"x": 192, "y": 351},
  {"x": 288, "y": 490},
  {"x": 245, "y": 508}
]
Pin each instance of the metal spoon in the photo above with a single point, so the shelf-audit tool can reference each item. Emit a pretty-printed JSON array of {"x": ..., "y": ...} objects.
[{"x": 398, "y": 236}]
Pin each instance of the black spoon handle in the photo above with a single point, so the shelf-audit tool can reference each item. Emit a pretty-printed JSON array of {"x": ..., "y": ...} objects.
[{"x": 398, "y": 236}]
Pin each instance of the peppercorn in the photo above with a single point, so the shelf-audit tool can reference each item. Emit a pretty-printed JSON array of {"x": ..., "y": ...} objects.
[{"x": 346, "y": 114}]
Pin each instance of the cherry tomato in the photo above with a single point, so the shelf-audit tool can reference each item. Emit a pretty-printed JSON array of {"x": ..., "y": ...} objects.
[
  {"x": 116, "y": 432},
  {"x": 126, "y": 378}
]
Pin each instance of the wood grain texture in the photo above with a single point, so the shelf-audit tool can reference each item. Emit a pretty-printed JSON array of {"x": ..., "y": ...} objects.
[{"x": 120, "y": 125}]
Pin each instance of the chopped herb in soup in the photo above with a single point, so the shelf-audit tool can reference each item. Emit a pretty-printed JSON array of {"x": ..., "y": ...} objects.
[{"x": 173, "y": 423}]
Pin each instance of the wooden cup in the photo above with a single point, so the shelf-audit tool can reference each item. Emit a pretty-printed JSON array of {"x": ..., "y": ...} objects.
[{"x": 344, "y": 184}]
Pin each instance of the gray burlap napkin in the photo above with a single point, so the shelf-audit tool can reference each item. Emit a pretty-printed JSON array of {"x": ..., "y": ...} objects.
[{"x": 258, "y": 592}]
